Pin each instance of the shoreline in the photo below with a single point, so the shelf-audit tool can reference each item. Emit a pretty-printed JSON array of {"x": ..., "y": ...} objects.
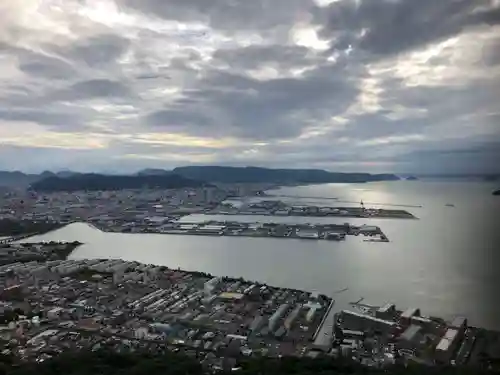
[{"x": 412, "y": 217}]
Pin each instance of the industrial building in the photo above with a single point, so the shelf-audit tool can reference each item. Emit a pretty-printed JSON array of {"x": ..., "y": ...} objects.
[
  {"x": 459, "y": 323},
  {"x": 411, "y": 337},
  {"x": 308, "y": 233},
  {"x": 361, "y": 322},
  {"x": 292, "y": 316},
  {"x": 211, "y": 229},
  {"x": 210, "y": 286},
  {"x": 421, "y": 321},
  {"x": 386, "y": 312},
  {"x": 447, "y": 345},
  {"x": 313, "y": 307},
  {"x": 369, "y": 229},
  {"x": 349, "y": 334},
  {"x": 257, "y": 323},
  {"x": 231, "y": 296},
  {"x": 323, "y": 336},
  {"x": 408, "y": 314},
  {"x": 55, "y": 313},
  {"x": 273, "y": 320}
]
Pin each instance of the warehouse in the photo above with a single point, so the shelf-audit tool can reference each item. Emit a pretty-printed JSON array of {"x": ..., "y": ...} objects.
[
  {"x": 386, "y": 312},
  {"x": 359, "y": 322},
  {"x": 459, "y": 323},
  {"x": 273, "y": 320},
  {"x": 408, "y": 314},
  {"x": 211, "y": 229},
  {"x": 410, "y": 337},
  {"x": 447, "y": 345}
]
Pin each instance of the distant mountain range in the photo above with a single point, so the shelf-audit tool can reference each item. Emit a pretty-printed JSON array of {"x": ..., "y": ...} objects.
[
  {"x": 471, "y": 176},
  {"x": 95, "y": 182},
  {"x": 18, "y": 179},
  {"x": 277, "y": 176},
  {"x": 181, "y": 177}
]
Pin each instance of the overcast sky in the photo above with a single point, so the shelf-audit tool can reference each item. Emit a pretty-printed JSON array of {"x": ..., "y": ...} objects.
[{"x": 347, "y": 85}]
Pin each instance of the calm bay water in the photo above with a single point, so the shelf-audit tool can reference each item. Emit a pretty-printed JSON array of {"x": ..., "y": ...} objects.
[{"x": 445, "y": 262}]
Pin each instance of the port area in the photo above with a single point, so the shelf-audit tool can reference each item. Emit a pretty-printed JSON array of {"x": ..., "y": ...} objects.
[
  {"x": 382, "y": 335},
  {"x": 279, "y": 208},
  {"x": 333, "y": 232}
]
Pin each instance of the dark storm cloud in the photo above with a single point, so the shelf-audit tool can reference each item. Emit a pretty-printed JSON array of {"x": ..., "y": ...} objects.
[
  {"x": 37, "y": 116},
  {"x": 483, "y": 148},
  {"x": 388, "y": 27},
  {"x": 226, "y": 14},
  {"x": 37, "y": 159},
  {"x": 46, "y": 67},
  {"x": 479, "y": 157},
  {"x": 38, "y": 64},
  {"x": 252, "y": 57},
  {"x": 95, "y": 51},
  {"x": 491, "y": 56},
  {"x": 177, "y": 119},
  {"x": 375, "y": 125},
  {"x": 259, "y": 110},
  {"x": 52, "y": 69},
  {"x": 489, "y": 16},
  {"x": 95, "y": 88}
]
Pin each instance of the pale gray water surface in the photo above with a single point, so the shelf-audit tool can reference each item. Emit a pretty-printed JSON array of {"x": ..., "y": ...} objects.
[{"x": 445, "y": 262}]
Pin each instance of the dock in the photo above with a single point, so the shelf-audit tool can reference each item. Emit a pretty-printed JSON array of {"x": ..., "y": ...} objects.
[
  {"x": 279, "y": 208},
  {"x": 326, "y": 232},
  {"x": 323, "y": 337}
]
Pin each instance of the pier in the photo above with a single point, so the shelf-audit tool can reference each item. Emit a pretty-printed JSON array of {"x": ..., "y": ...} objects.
[{"x": 323, "y": 337}]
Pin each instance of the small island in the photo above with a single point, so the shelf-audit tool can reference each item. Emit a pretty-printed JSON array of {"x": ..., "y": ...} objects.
[
  {"x": 411, "y": 178},
  {"x": 496, "y": 192}
]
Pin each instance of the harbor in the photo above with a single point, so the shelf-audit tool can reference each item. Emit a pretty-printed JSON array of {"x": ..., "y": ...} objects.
[
  {"x": 280, "y": 208},
  {"x": 332, "y": 232}
]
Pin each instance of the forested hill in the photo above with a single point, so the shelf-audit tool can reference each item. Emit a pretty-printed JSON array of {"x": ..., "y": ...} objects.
[
  {"x": 95, "y": 182},
  {"x": 278, "y": 176}
]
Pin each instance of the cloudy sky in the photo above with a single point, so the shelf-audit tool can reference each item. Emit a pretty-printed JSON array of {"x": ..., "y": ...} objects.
[{"x": 347, "y": 85}]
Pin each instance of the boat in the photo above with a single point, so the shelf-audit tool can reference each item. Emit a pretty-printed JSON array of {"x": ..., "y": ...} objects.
[{"x": 449, "y": 205}]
